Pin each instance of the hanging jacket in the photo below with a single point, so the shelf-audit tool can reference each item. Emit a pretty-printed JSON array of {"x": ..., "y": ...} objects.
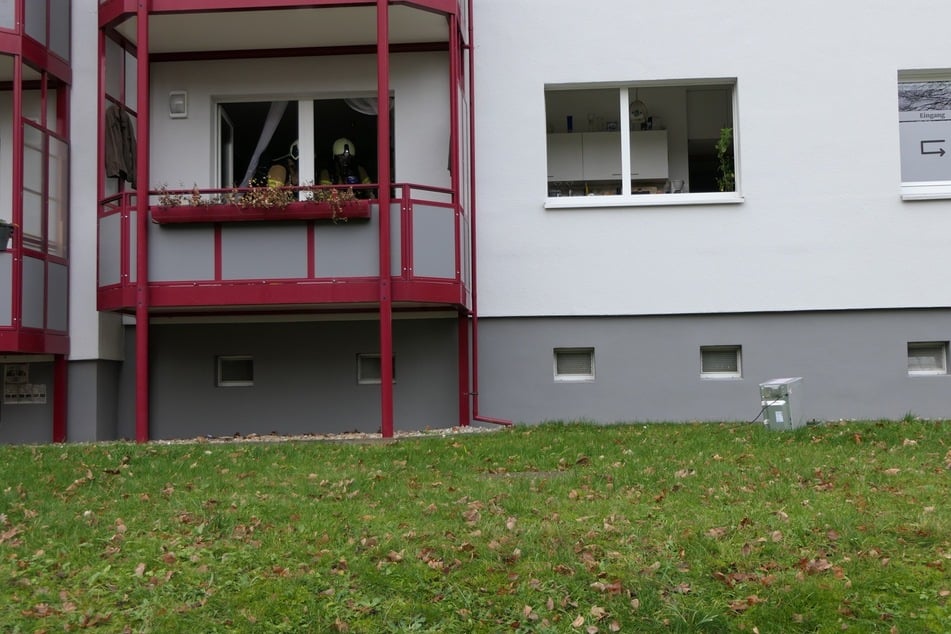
[{"x": 120, "y": 145}]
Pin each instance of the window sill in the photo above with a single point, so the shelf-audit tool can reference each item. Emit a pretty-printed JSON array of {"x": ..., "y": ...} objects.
[
  {"x": 933, "y": 190},
  {"x": 643, "y": 200}
]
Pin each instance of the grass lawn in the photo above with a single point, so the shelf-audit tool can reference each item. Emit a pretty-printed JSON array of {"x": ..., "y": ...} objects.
[{"x": 554, "y": 528}]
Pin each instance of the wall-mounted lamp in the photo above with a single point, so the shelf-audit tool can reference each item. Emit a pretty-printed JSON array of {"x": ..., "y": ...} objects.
[{"x": 178, "y": 104}]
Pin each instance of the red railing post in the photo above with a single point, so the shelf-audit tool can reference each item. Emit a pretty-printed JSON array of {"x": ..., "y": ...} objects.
[
  {"x": 142, "y": 227},
  {"x": 385, "y": 183}
]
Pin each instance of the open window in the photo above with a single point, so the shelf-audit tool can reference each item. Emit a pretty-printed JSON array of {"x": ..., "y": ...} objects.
[
  {"x": 674, "y": 141},
  {"x": 293, "y": 142}
]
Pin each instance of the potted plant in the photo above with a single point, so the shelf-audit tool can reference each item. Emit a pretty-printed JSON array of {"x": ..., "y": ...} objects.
[
  {"x": 726, "y": 175},
  {"x": 6, "y": 232}
]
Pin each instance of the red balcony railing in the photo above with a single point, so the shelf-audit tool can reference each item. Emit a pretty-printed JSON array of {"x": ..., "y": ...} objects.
[{"x": 227, "y": 250}]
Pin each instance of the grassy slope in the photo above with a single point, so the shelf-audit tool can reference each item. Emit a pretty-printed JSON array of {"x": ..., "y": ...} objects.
[{"x": 556, "y": 528}]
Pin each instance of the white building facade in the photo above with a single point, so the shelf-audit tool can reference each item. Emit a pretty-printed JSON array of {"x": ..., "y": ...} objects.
[{"x": 605, "y": 211}]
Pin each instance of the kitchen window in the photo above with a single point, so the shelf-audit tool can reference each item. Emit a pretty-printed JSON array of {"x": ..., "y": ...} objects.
[
  {"x": 924, "y": 131},
  {"x": 657, "y": 143}
]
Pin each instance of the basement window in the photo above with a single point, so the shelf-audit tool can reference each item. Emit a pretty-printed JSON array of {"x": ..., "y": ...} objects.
[
  {"x": 720, "y": 362},
  {"x": 927, "y": 358},
  {"x": 235, "y": 371},
  {"x": 574, "y": 364},
  {"x": 369, "y": 371}
]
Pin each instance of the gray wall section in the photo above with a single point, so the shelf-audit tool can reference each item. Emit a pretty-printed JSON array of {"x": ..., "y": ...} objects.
[
  {"x": 263, "y": 250},
  {"x": 6, "y": 288},
  {"x": 181, "y": 252},
  {"x": 33, "y": 422},
  {"x": 93, "y": 400},
  {"x": 853, "y": 364},
  {"x": 434, "y": 244},
  {"x": 57, "y": 313},
  {"x": 33, "y": 286},
  {"x": 304, "y": 378},
  {"x": 109, "y": 250}
]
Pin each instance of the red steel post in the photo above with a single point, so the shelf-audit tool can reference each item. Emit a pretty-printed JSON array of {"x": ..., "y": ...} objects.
[
  {"x": 384, "y": 193},
  {"x": 142, "y": 227}
]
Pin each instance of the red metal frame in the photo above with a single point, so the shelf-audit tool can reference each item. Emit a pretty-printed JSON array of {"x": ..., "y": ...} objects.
[
  {"x": 385, "y": 292},
  {"x": 53, "y": 71},
  {"x": 142, "y": 240}
]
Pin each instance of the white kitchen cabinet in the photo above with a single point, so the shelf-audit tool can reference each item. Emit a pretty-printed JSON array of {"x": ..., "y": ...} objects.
[
  {"x": 649, "y": 155},
  {"x": 602, "y": 156},
  {"x": 564, "y": 157}
]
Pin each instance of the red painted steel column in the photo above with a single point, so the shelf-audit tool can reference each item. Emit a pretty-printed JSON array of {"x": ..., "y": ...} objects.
[
  {"x": 60, "y": 392},
  {"x": 142, "y": 226},
  {"x": 455, "y": 129},
  {"x": 385, "y": 185}
]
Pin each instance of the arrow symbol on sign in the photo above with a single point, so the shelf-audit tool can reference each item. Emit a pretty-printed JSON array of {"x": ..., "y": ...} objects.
[{"x": 940, "y": 151}]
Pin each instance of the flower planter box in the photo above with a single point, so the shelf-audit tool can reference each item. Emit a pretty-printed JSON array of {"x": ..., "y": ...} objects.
[
  {"x": 305, "y": 210},
  {"x": 6, "y": 232}
]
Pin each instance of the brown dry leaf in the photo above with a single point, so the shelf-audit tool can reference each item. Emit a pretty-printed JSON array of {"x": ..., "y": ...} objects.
[
  {"x": 510, "y": 523},
  {"x": 578, "y": 622},
  {"x": 614, "y": 626},
  {"x": 892, "y": 471},
  {"x": 717, "y": 533},
  {"x": 598, "y": 612},
  {"x": 684, "y": 473},
  {"x": 782, "y": 515},
  {"x": 140, "y": 569}
]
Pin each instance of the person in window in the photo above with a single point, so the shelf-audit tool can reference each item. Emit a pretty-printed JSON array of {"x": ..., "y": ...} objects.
[{"x": 345, "y": 169}]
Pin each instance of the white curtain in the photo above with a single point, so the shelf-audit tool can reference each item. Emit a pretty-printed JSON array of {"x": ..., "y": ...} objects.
[{"x": 274, "y": 115}]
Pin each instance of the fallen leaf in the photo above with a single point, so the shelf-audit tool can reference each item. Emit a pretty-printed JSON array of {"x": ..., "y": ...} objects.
[
  {"x": 578, "y": 622},
  {"x": 140, "y": 569},
  {"x": 717, "y": 533}
]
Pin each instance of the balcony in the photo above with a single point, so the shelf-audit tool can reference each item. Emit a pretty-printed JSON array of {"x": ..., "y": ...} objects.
[{"x": 306, "y": 255}]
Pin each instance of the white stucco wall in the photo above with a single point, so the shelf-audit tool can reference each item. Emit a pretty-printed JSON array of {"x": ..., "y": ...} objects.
[
  {"x": 822, "y": 225},
  {"x": 92, "y": 335}
]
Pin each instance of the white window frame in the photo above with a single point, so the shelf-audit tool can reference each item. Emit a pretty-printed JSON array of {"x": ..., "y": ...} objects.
[
  {"x": 219, "y": 361},
  {"x": 925, "y": 190},
  {"x": 574, "y": 377},
  {"x": 626, "y": 198},
  {"x": 365, "y": 376},
  {"x": 722, "y": 374},
  {"x": 939, "y": 350}
]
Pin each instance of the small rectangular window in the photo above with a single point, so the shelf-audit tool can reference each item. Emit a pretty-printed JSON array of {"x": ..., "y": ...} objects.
[
  {"x": 927, "y": 357},
  {"x": 369, "y": 371},
  {"x": 720, "y": 362},
  {"x": 574, "y": 364},
  {"x": 235, "y": 371}
]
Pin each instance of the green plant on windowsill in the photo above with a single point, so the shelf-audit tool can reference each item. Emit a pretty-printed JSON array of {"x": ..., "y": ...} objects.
[{"x": 726, "y": 175}]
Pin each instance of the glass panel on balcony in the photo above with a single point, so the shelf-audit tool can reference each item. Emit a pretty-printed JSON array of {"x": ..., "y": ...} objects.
[
  {"x": 32, "y": 105},
  {"x": 33, "y": 172},
  {"x": 35, "y": 26},
  {"x": 59, "y": 27},
  {"x": 58, "y": 188},
  {"x": 7, "y": 9},
  {"x": 114, "y": 69},
  {"x": 131, "y": 75}
]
